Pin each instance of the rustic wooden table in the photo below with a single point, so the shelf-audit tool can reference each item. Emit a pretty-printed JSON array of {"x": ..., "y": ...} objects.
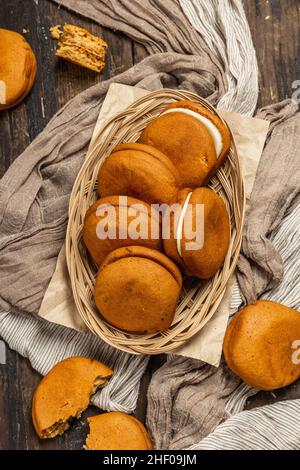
[{"x": 275, "y": 26}]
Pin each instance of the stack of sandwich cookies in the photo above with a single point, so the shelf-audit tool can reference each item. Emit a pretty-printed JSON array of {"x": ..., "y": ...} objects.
[
  {"x": 99, "y": 247},
  {"x": 137, "y": 289},
  {"x": 117, "y": 431},
  {"x": 262, "y": 345},
  {"x": 195, "y": 139},
  {"x": 208, "y": 252}
]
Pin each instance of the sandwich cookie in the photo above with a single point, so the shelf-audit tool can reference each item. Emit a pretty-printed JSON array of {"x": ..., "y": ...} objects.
[
  {"x": 137, "y": 289},
  {"x": 262, "y": 345},
  {"x": 139, "y": 171},
  {"x": 65, "y": 392},
  {"x": 194, "y": 138},
  {"x": 117, "y": 431},
  {"x": 17, "y": 68},
  {"x": 120, "y": 219},
  {"x": 200, "y": 234}
]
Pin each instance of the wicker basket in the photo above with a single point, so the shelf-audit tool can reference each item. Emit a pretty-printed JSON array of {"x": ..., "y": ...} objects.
[{"x": 199, "y": 302}]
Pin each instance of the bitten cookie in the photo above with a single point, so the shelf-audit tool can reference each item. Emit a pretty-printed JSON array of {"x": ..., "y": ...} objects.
[
  {"x": 199, "y": 233},
  {"x": 17, "y": 68},
  {"x": 195, "y": 139},
  {"x": 137, "y": 289},
  {"x": 117, "y": 431},
  {"x": 65, "y": 392},
  {"x": 112, "y": 212},
  {"x": 139, "y": 171},
  {"x": 262, "y": 345}
]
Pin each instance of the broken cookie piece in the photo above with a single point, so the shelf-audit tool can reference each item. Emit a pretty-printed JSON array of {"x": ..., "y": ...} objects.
[
  {"x": 65, "y": 392},
  {"x": 80, "y": 47}
]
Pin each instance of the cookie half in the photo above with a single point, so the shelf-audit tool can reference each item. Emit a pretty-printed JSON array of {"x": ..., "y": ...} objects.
[
  {"x": 65, "y": 392},
  {"x": 114, "y": 221}
]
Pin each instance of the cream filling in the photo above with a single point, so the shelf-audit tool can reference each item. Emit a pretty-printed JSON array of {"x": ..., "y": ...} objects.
[
  {"x": 212, "y": 129},
  {"x": 2, "y": 92},
  {"x": 180, "y": 223}
]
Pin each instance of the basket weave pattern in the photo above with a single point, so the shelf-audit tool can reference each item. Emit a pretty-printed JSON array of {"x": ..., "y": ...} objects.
[{"x": 200, "y": 300}]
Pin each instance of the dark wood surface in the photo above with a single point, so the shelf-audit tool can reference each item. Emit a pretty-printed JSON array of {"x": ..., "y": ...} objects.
[{"x": 275, "y": 26}]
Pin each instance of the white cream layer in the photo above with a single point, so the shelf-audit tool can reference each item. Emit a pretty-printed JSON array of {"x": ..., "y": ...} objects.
[
  {"x": 2, "y": 92},
  {"x": 180, "y": 223},
  {"x": 212, "y": 129}
]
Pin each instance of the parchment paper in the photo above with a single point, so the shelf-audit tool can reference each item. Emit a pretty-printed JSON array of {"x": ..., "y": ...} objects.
[{"x": 58, "y": 305}]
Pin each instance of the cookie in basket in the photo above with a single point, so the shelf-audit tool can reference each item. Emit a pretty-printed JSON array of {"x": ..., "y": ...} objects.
[
  {"x": 262, "y": 345},
  {"x": 65, "y": 392},
  {"x": 195, "y": 139},
  {"x": 117, "y": 431},
  {"x": 137, "y": 289},
  {"x": 110, "y": 223},
  {"x": 139, "y": 171},
  {"x": 202, "y": 257}
]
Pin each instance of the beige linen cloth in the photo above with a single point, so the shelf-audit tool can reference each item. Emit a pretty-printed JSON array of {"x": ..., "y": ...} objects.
[{"x": 58, "y": 305}]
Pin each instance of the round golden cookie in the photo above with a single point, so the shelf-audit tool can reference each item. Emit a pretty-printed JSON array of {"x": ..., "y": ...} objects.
[
  {"x": 17, "y": 68},
  {"x": 206, "y": 257},
  {"x": 262, "y": 345},
  {"x": 117, "y": 431},
  {"x": 65, "y": 392},
  {"x": 140, "y": 171},
  {"x": 195, "y": 139},
  {"x": 137, "y": 289},
  {"x": 138, "y": 216}
]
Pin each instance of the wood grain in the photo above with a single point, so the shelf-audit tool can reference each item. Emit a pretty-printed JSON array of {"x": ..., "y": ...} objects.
[{"x": 275, "y": 27}]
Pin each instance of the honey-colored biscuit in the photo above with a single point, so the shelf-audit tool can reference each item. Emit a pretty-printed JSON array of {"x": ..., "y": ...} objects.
[
  {"x": 117, "y": 431},
  {"x": 195, "y": 139},
  {"x": 125, "y": 209},
  {"x": 17, "y": 68},
  {"x": 80, "y": 47},
  {"x": 207, "y": 256},
  {"x": 262, "y": 345},
  {"x": 137, "y": 289},
  {"x": 139, "y": 171},
  {"x": 65, "y": 392}
]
